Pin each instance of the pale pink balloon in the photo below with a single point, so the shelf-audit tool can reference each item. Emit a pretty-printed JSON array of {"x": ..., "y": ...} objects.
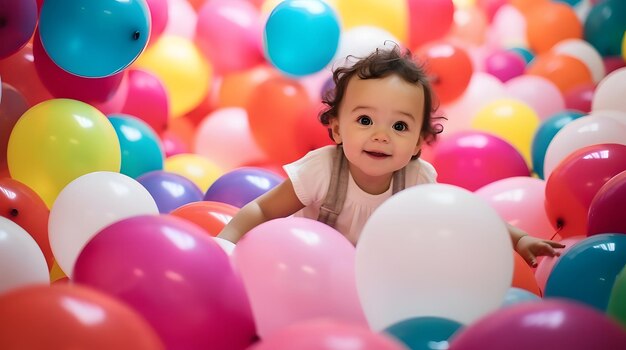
[
  {"x": 539, "y": 93},
  {"x": 610, "y": 92},
  {"x": 508, "y": 28},
  {"x": 520, "y": 202},
  {"x": 295, "y": 269},
  {"x": 547, "y": 263},
  {"x": 182, "y": 19}
]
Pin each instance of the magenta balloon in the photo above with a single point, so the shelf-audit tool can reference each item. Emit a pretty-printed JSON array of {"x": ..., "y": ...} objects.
[
  {"x": 147, "y": 99},
  {"x": 549, "y": 324},
  {"x": 159, "y": 14},
  {"x": 18, "y": 19},
  {"x": 62, "y": 84},
  {"x": 505, "y": 65},
  {"x": 607, "y": 209},
  {"x": 176, "y": 276},
  {"x": 473, "y": 159}
]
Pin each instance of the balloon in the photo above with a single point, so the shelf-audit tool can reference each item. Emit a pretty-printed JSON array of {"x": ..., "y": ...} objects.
[
  {"x": 147, "y": 99},
  {"x": 473, "y": 159},
  {"x": 469, "y": 26},
  {"x": 545, "y": 266},
  {"x": 20, "y": 258},
  {"x": 19, "y": 71},
  {"x": 587, "y": 271},
  {"x": 19, "y": 19},
  {"x": 605, "y": 25},
  {"x": 24, "y": 207},
  {"x": 229, "y": 35},
  {"x": 201, "y": 171},
  {"x": 169, "y": 190},
  {"x": 12, "y": 106},
  {"x": 580, "y": 97},
  {"x": 66, "y": 316},
  {"x": 57, "y": 141},
  {"x": 140, "y": 146},
  {"x": 173, "y": 144},
  {"x": 607, "y": 94},
  {"x": 359, "y": 42},
  {"x": 309, "y": 21},
  {"x": 175, "y": 276},
  {"x": 159, "y": 16},
  {"x": 390, "y": 16},
  {"x": 564, "y": 71},
  {"x": 88, "y": 204},
  {"x": 553, "y": 324},
  {"x": 211, "y": 216},
  {"x": 236, "y": 87},
  {"x": 504, "y": 65},
  {"x": 240, "y": 186},
  {"x": 508, "y": 28},
  {"x": 450, "y": 68},
  {"x": 326, "y": 335},
  {"x": 523, "y": 276},
  {"x": 184, "y": 72},
  {"x": 428, "y": 20},
  {"x": 490, "y": 7},
  {"x": 550, "y": 23},
  {"x": 395, "y": 274},
  {"x": 71, "y": 32},
  {"x": 538, "y": 93},
  {"x": 606, "y": 211},
  {"x": 525, "y": 53},
  {"x": 617, "y": 299},
  {"x": 582, "y": 50},
  {"x": 296, "y": 269},
  {"x": 517, "y": 295},
  {"x": 420, "y": 333},
  {"x": 182, "y": 19}
]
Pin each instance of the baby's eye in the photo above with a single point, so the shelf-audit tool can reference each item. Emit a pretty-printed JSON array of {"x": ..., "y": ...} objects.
[
  {"x": 400, "y": 126},
  {"x": 364, "y": 120}
]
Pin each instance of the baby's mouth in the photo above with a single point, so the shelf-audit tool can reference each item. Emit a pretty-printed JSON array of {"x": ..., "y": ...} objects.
[{"x": 377, "y": 154}]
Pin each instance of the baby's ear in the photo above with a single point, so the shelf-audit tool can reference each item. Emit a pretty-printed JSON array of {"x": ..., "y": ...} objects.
[
  {"x": 418, "y": 147},
  {"x": 334, "y": 128}
]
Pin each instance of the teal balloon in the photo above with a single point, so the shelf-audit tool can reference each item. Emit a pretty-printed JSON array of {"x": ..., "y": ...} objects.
[
  {"x": 605, "y": 25},
  {"x": 587, "y": 271},
  {"x": 301, "y": 36},
  {"x": 140, "y": 145},
  {"x": 572, "y": 3},
  {"x": 544, "y": 135},
  {"x": 424, "y": 333},
  {"x": 518, "y": 295},
  {"x": 526, "y": 54},
  {"x": 94, "y": 38}
]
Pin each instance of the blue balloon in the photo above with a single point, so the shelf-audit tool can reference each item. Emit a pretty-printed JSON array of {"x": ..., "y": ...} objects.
[
  {"x": 240, "y": 186},
  {"x": 140, "y": 145},
  {"x": 587, "y": 271},
  {"x": 526, "y": 54},
  {"x": 544, "y": 135},
  {"x": 94, "y": 39},
  {"x": 605, "y": 25},
  {"x": 301, "y": 36},
  {"x": 170, "y": 190},
  {"x": 424, "y": 333},
  {"x": 518, "y": 295}
]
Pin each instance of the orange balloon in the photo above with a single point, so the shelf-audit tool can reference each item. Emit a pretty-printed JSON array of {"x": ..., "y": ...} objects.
[
  {"x": 523, "y": 275},
  {"x": 70, "y": 316},
  {"x": 211, "y": 216},
  {"x": 449, "y": 67},
  {"x": 550, "y": 23},
  {"x": 236, "y": 87},
  {"x": 19, "y": 71},
  {"x": 525, "y": 6},
  {"x": 565, "y": 72},
  {"x": 20, "y": 204}
]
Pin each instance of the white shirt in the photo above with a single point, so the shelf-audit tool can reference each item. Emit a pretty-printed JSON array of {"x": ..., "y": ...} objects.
[{"x": 311, "y": 175}]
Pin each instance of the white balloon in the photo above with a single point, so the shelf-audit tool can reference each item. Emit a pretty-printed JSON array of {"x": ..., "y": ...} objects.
[
  {"x": 87, "y": 205},
  {"x": 584, "y": 52},
  {"x": 433, "y": 250},
  {"x": 226, "y": 245},
  {"x": 21, "y": 261},
  {"x": 610, "y": 92},
  {"x": 361, "y": 41}
]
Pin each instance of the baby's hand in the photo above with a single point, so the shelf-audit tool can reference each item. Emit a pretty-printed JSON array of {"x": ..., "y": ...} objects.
[{"x": 530, "y": 247}]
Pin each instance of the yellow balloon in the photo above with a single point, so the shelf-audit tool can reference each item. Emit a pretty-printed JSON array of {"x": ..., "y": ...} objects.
[
  {"x": 185, "y": 73},
  {"x": 57, "y": 141},
  {"x": 56, "y": 273},
  {"x": 624, "y": 46},
  {"x": 390, "y": 15},
  {"x": 511, "y": 120},
  {"x": 195, "y": 167}
]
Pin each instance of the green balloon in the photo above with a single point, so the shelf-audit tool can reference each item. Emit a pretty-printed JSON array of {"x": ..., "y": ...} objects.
[{"x": 617, "y": 300}]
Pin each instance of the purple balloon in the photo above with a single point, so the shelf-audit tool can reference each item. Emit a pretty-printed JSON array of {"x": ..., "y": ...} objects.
[
  {"x": 176, "y": 276},
  {"x": 241, "y": 186},
  {"x": 606, "y": 211},
  {"x": 170, "y": 190},
  {"x": 549, "y": 324},
  {"x": 17, "y": 24},
  {"x": 505, "y": 65}
]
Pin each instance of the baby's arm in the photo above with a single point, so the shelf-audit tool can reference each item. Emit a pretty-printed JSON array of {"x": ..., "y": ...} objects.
[
  {"x": 530, "y": 247},
  {"x": 280, "y": 201}
]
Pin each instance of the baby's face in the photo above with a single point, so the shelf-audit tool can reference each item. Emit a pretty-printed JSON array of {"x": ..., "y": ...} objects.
[{"x": 379, "y": 123}]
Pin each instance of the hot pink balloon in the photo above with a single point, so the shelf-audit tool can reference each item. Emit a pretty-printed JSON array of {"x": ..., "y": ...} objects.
[
  {"x": 580, "y": 97},
  {"x": 504, "y": 65},
  {"x": 473, "y": 159},
  {"x": 296, "y": 269},
  {"x": 176, "y": 276},
  {"x": 147, "y": 99},
  {"x": 542, "y": 273},
  {"x": 606, "y": 211},
  {"x": 159, "y": 15}
]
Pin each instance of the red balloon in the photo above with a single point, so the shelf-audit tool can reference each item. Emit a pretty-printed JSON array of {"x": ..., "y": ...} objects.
[
  {"x": 449, "y": 67},
  {"x": 575, "y": 181},
  {"x": 606, "y": 211},
  {"x": 523, "y": 275},
  {"x": 69, "y": 316},
  {"x": 20, "y": 204},
  {"x": 429, "y": 20},
  {"x": 19, "y": 71},
  {"x": 12, "y": 106},
  {"x": 211, "y": 216}
]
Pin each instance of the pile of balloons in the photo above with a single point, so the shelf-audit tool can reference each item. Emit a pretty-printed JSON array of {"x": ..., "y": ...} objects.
[{"x": 132, "y": 131}]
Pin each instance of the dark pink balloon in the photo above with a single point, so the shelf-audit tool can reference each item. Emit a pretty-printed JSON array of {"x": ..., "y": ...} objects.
[
  {"x": 580, "y": 97},
  {"x": 607, "y": 209},
  {"x": 159, "y": 15},
  {"x": 176, "y": 276},
  {"x": 573, "y": 184},
  {"x": 17, "y": 24},
  {"x": 505, "y": 65},
  {"x": 12, "y": 106},
  {"x": 173, "y": 144},
  {"x": 548, "y": 324},
  {"x": 473, "y": 159},
  {"x": 147, "y": 99},
  {"x": 613, "y": 63}
]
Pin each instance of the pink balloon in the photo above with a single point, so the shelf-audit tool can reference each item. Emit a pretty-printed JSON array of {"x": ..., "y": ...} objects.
[
  {"x": 173, "y": 144},
  {"x": 228, "y": 34},
  {"x": 147, "y": 99},
  {"x": 115, "y": 103},
  {"x": 504, "y": 65},
  {"x": 473, "y": 159},
  {"x": 159, "y": 15},
  {"x": 606, "y": 211},
  {"x": 519, "y": 201},
  {"x": 327, "y": 335},
  {"x": 539, "y": 93},
  {"x": 580, "y": 97},
  {"x": 545, "y": 266},
  {"x": 19, "y": 19},
  {"x": 176, "y": 276},
  {"x": 296, "y": 269}
]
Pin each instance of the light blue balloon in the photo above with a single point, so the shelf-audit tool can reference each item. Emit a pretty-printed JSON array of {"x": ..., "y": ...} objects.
[
  {"x": 301, "y": 36},
  {"x": 518, "y": 295},
  {"x": 141, "y": 149},
  {"x": 94, "y": 38},
  {"x": 424, "y": 333}
]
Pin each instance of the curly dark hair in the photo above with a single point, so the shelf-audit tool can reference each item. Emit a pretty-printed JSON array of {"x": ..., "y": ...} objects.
[{"x": 380, "y": 64}]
